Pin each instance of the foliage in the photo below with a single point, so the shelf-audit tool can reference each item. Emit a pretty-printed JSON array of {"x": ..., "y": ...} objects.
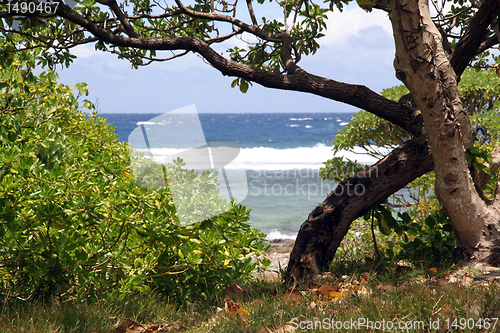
[
  {"x": 207, "y": 21},
  {"x": 432, "y": 241},
  {"x": 74, "y": 222}
]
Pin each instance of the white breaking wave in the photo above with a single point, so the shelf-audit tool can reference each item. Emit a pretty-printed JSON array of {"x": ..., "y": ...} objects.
[
  {"x": 300, "y": 119},
  {"x": 276, "y": 234},
  {"x": 263, "y": 158}
]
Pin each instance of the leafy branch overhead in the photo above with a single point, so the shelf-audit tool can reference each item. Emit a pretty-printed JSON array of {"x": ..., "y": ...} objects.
[{"x": 143, "y": 31}]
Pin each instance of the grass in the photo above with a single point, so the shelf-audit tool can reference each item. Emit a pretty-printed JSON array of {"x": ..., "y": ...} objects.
[{"x": 409, "y": 296}]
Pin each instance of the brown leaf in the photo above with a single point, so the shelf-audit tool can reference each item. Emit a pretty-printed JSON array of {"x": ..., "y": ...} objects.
[
  {"x": 120, "y": 329},
  {"x": 365, "y": 276},
  {"x": 265, "y": 330},
  {"x": 325, "y": 289},
  {"x": 176, "y": 326},
  {"x": 432, "y": 270},
  {"x": 445, "y": 312},
  {"x": 235, "y": 292},
  {"x": 467, "y": 280},
  {"x": 294, "y": 297},
  {"x": 363, "y": 290},
  {"x": 285, "y": 329},
  {"x": 234, "y": 309},
  {"x": 422, "y": 278}
]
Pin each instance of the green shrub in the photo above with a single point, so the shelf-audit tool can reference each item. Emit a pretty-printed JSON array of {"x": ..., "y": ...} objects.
[{"x": 74, "y": 223}]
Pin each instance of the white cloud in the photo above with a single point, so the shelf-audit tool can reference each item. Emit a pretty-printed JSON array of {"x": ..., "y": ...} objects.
[
  {"x": 84, "y": 51},
  {"x": 349, "y": 23}
]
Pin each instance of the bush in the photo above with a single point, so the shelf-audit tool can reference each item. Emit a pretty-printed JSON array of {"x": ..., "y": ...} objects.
[{"x": 72, "y": 220}]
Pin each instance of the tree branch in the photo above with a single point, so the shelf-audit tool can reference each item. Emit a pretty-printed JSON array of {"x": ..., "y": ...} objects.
[
  {"x": 251, "y": 12},
  {"x": 255, "y": 30},
  {"x": 468, "y": 46},
  {"x": 123, "y": 19}
]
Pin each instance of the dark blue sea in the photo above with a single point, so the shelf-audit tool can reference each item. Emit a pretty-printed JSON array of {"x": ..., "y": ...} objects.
[{"x": 281, "y": 153}]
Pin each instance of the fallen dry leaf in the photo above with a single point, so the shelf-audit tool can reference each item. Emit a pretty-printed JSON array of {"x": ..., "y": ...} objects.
[
  {"x": 467, "y": 280},
  {"x": 432, "y": 270},
  {"x": 446, "y": 312},
  {"x": 294, "y": 297},
  {"x": 120, "y": 329},
  {"x": 386, "y": 287},
  {"x": 365, "y": 276},
  {"x": 363, "y": 290},
  {"x": 285, "y": 329},
  {"x": 235, "y": 292},
  {"x": 176, "y": 326},
  {"x": 234, "y": 309},
  {"x": 326, "y": 289},
  {"x": 130, "y": 326},
  {"x": 265, "y": 330},
  {"x": 422, "y": 278},
  {"x": 476, "y": 309}
]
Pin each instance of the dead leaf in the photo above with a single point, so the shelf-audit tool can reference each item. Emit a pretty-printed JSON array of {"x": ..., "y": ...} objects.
[
  {"x": 234, "y": 309},
  {"x": 467, "y": 280},
  {"x": 432, "y": 270},
  {"x": 176, "y": 326},
  {"x": 294, "y": 297},
  {"x": 285, "y": 329},
  {"x": 422, "y": 278},
  {"x": 129, "y": 325},
  {"x": 265, "y": 330},
  {"x": 381, "y": 288},
  {"x": 325, "y": 289},
  {"x": 445, "y": 312},
  {"x": 120, "y": 329},
  {"x": 336, "y": 295},
  {"x": 363, "y": 290},
  {"x": 476, "y": 309},
  {"x": 235, "y": 292},
  {"x": 365, "y": 276}
]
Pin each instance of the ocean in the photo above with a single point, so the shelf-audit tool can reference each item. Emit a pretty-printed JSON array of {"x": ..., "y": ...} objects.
[{"x": 281, "y": 154}]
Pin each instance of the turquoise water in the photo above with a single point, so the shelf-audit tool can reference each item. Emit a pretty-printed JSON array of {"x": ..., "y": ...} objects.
[{"x": 281, "y": 154}]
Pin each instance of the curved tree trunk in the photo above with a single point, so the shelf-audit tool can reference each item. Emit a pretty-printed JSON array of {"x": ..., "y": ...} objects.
[
  {"x": 423, "y": 65},
  {"x": 320, "y": 236}
]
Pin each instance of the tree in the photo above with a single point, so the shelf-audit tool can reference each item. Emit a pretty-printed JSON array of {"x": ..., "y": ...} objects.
[{"x": 431, "y": 55}]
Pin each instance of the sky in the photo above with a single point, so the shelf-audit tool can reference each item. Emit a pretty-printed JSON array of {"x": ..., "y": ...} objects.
[{"x": 358, "y": 48}]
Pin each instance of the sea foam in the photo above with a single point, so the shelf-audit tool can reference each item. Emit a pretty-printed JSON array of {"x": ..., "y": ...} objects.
[{"x": 264, "y": 158}]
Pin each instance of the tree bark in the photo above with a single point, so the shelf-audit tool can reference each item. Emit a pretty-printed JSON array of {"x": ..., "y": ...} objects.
[
  {"x": 422, "y": 64},
  {"x": 321, "y": 234}
]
